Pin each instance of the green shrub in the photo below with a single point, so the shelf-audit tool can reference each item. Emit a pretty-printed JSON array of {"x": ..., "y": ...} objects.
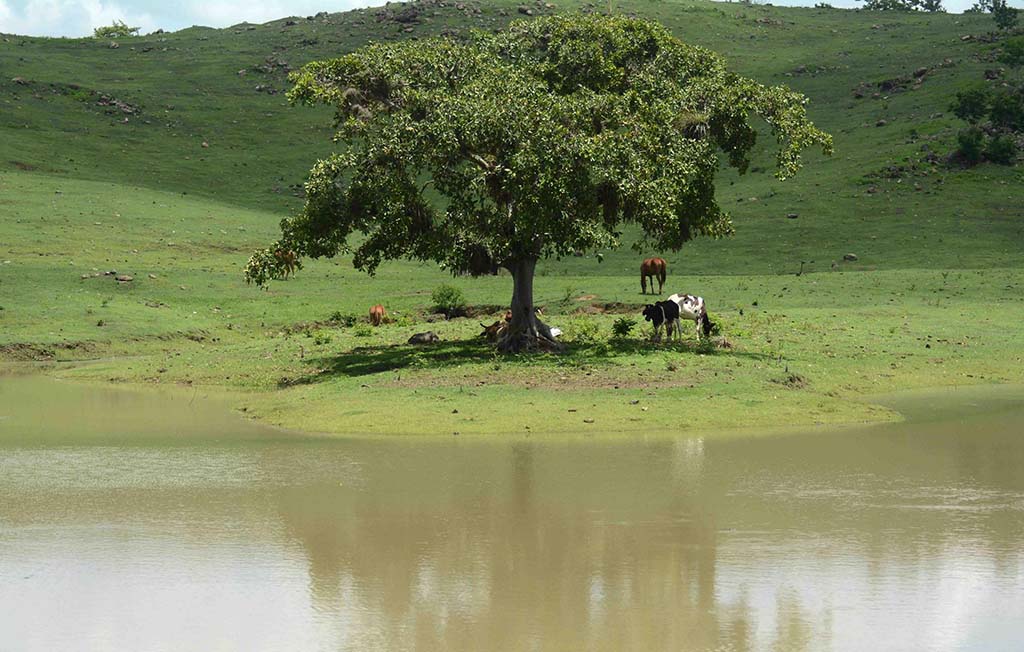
[
  {"x": 1007, "y": 109},
  {"x": 1002, "y": 150},
  {"x": 343, "y": 320},
  {"x": 321, "y": 338},
  {"x": 971, "y": 105},
  {"x": 449, "y": 300},
  {"x": 362, "y": 330},
  {"x": 623, "y": 326},
  {"x": 582, "y": 330},
  {"x": 971, "y": 141}
]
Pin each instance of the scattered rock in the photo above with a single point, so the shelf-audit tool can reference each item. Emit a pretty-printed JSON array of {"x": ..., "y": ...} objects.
[
  {"x": 920, "y": 72},
  {"x": 526, "y": 11},
  {"x": 124, "y": 278},
  {"x": 588, "y": 421},
  {"x": 881, "y": 123},
  {"x": 850, "y": 257},
  {"x": 792, "y": 216}
]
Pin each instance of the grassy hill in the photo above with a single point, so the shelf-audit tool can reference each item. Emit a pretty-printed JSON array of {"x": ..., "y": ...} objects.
[{"x": 170, "y": 156}]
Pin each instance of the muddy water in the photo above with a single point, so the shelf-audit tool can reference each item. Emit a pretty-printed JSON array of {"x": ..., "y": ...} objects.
[{"x": 146, "y": 522}]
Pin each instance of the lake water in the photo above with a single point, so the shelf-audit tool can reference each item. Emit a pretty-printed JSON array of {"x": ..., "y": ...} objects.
[{"x": 147, "y": 522}]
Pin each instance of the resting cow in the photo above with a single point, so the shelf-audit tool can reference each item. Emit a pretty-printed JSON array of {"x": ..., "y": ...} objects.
[{"x": 429, "y": 337}]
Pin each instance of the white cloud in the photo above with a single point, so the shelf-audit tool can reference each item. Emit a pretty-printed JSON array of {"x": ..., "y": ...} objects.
[
  {"x": 66, "y": 17},
  {"x": 80, "y": 17}
]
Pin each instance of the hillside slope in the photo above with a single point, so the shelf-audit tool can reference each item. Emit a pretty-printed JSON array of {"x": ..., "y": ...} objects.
[{"x": 140, "y": 113}]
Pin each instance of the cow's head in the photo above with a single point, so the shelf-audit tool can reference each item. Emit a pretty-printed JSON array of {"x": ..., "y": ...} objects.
[{"x": 650, "y": 311}]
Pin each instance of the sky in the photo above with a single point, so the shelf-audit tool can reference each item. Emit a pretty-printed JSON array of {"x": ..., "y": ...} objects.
[{"x": 79, "y": 17}]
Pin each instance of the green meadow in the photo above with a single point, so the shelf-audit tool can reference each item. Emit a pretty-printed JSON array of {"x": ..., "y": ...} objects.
[{"x": 160, "y": 160}]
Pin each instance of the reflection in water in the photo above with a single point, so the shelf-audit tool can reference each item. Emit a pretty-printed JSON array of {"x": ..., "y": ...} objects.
[{"x": 890, "y": 538}]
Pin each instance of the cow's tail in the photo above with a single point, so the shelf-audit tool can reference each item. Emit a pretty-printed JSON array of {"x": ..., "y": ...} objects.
[{"x": 662, "y": 274}]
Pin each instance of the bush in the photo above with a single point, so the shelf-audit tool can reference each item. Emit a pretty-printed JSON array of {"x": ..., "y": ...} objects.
[
  {"x": 1002, "y": 150},
  {"x": 623, "y": 326},
  {"x": 582, "y": 330},
  {"x": 343, "y": 320},
  {"x": 449, "y": 300},
  {"x": 971, "y": 142},
  {"x": 117, "y": 29},
  {"x": 1007, "y": 109},
  {"x": 321, "y": 338},
  {"x": 971, "y": 105},
  {"x": 362, "y": 330}
]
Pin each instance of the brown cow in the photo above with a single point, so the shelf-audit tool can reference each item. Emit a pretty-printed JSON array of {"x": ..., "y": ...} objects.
[
  {"x": 654, "y": 268},
  {"x": 377, "y": 315},
  {"x": 287, "y": 259}
]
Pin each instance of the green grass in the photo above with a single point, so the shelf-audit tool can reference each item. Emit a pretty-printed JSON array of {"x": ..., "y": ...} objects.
[{"x": 935, "y": 297}]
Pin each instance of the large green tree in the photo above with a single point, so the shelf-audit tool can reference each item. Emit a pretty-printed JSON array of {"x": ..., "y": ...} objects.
[{"x": 537, "y": 141}]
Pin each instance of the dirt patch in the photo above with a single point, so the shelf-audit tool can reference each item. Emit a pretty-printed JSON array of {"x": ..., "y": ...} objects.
[
  {"x": 792, "y": 381},
  {"x": 548, "y": 379},
  {"x": 26, "y": 167},
  {"x": 26, "y": 352}
]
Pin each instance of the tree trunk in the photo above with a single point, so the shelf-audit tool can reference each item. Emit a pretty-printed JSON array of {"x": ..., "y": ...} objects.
[{"x": 525, "y": 332}]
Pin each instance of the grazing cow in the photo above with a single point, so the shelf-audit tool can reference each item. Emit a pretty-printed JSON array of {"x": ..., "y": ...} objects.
[
  {"x": 663, "y": 313},
  {"x": 377, "y": 315},
  {"x": 653, "y": 268},
  {"x": 287, "y": 259},
  {"x": 424, "y": 338},
  {"x": 692, "y": 308},
  {"x": 494, "y": 332}
]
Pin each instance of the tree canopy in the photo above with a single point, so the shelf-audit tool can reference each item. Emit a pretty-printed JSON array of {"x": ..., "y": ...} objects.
[
  {"x": 540, "y": 140},
  {"x": 117, "y": 29}
]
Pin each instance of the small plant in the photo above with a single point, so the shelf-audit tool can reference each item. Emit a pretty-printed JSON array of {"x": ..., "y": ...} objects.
[
  {"x": 362, "y": 330},
  {"x": 343, "y": 320},
  {"x": 623, "y": 326},
  {"x": 582, "y": 330},
  {"x": 321, "y": 338},
  {"x": 449, "y": 300},
  {"x": 716, "y": 324},
  {"x": 568, "y": 294},
  {"x": 117, "y": 29},
  {"x": 403, "y": 321}
]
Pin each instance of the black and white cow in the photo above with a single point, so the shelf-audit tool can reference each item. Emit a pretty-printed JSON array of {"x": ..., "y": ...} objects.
[
  {"x": 692, "y": 308},
  {"x": 663, "y": 313}
]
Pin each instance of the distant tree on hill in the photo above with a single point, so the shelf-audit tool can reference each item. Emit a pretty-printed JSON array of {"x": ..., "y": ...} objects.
[
  {"x": 904, "y": 5},
  {"x": 1003, "y": 14},
  {"x": 538, "y": 141},
  {"x": 116, "y": 30}
]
